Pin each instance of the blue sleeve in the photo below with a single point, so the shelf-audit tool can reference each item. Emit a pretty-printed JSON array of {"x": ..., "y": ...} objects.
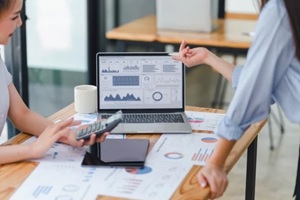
[
  {"x": 255, "y": 83},
  {"x": 235, "y": 76}
]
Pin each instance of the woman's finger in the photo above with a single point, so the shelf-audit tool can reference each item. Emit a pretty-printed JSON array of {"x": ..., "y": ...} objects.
[
  {"x": 102, "y": 137},
  {"x": 62, "y": 124},
  {"x": 75, "y": 123},
  {"x": 92, "y": 139},
  {"x": 201, "y": 180},
  {"x": 182, "y": 45}
]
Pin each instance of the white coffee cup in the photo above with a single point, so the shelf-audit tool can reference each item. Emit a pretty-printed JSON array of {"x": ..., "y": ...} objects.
[{"x": 85, "y": 99}]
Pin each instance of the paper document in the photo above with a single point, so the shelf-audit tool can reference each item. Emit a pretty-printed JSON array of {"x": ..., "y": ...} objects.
[
  {"x": 204, "y": 121},
  {"x": 60, "y": 152},
  {"x": 153, "y": 181},
  {"x": 85, "y": 118},
  {"x": 193, "y": 148},
  {"x": 71, "y": 181},
  {"x": 59, "y": 181}
]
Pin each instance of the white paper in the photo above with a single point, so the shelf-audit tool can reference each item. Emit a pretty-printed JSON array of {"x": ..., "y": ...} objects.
[
  {"x": 204, "y": 121},
  {"x": 59, "y": 181},
  {"x": 60, "y": 152},
  {"x": 85, "y": 118},
  {"x": 193, "y": 148},
  {"x": 64, "y": 180},
  {"x": 153, "y": 181}
]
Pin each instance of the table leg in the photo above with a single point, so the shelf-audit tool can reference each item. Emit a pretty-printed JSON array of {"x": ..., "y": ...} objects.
[
  {"x": 222, "y": 95},
  {"x": 217, "y": 96},
  {"x": 251, "y": 170}
]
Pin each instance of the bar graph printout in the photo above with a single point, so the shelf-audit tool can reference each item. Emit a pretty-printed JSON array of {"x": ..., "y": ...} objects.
[
  {"x": 60, "y": 152},
  {"x": 193, "y": 148},
  {"x": 203, "y": 121},
  {"x": 153, "y": 181},
  {"x": 60, "y": 180},
  {"x": 65, "y": 180}
]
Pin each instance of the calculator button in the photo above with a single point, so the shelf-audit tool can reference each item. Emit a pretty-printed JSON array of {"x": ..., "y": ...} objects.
[
  {"x": 84, "y": 132},
  {"x": 98, "y": 125},
  {"x": 93, "y": 128},
  {"x": 89, "y": 129}
]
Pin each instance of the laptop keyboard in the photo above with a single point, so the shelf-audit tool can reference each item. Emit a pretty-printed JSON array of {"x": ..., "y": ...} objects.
[{"x": 150, "y": 118}]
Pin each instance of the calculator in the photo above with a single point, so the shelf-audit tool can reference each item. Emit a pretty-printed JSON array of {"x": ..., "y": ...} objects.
[{"x": 100, "y": 127}]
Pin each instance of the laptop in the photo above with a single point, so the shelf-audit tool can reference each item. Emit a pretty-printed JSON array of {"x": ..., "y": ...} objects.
[
  {"x": 149, "y": 88},
  {"x": 187, "y": 15}
]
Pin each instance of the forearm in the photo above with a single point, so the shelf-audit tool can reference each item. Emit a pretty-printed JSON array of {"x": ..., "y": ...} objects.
[
  {"x": 221, "y": 152},
  {"x": 14, "y": 153},
  {"x": 22, "y": 118},
  {"x": 220, "y": 65},
  {"x": 31, "y": 122}
]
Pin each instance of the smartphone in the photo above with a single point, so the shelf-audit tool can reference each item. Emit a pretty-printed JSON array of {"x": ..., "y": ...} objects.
[{"x": 100, "y": 127}]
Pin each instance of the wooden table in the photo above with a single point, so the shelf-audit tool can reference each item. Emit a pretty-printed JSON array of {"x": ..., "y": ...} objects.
[
  {"x": 13, "y": 175},
  {"x": 229, "y": 36}
]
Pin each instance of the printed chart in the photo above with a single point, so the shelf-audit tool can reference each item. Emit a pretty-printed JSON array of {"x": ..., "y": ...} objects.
[
  {"x": 153, "y": 181},
  {"x": 86, "y": 118},
  {"x": 71, "y": 181},
  {"x": 60, "y": 152},
  {"x": 57, "y": 181},
  {"x": 193, "y": 148},
  {"x": 204, "y": 121}
]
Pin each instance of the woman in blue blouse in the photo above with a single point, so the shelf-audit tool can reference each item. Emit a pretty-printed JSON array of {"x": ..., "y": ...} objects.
[{"x": 270, "y": 75}]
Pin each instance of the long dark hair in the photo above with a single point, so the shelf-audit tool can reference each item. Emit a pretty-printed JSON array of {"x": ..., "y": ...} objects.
[
  {"x": 4, "y": 5},
  {"x": 293, "y": 9}
]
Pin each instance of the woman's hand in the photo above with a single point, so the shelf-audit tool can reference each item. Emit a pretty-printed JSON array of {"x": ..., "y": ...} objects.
[
  {"x": 71, "y": 139},
  {"x": 62, "y": 132},
  {"x": 214, "y": 176},
  {"x": 191, "y": 57},
  {"x": 51, "y": 135}
]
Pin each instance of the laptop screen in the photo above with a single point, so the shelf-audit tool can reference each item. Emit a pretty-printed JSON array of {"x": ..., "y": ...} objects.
[{"x": 139, "y": 81}]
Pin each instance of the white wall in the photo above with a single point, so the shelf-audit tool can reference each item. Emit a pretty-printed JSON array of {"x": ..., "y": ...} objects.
[{"x": 242, "y": 6}]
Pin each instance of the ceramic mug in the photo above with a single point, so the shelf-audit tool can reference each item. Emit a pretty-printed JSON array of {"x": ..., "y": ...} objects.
[{"x": 85, "y": 99}]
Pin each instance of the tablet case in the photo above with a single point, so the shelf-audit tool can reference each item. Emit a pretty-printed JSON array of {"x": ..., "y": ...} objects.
[{"x": 119, "y": 152}]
